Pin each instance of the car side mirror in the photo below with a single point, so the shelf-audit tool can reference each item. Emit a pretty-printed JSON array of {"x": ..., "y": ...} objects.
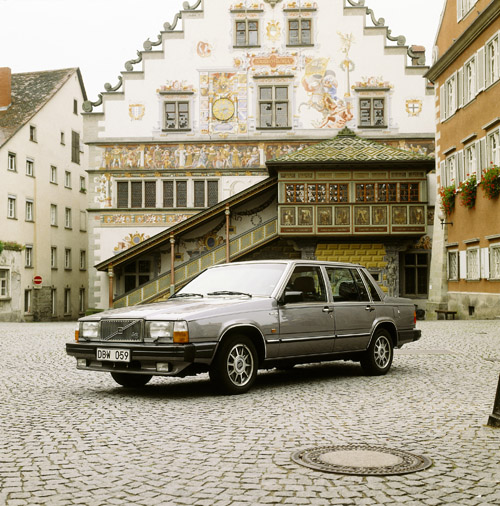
[{"x": 290, "y": 297}]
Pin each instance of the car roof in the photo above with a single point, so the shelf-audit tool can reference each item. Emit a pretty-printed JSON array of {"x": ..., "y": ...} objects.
[{"x": 292, "y": 262}]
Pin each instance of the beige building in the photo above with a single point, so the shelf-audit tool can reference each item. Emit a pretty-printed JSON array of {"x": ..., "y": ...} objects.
[
  {"x": 43, "y": 222},
  {"x": 465, "y": 268}
]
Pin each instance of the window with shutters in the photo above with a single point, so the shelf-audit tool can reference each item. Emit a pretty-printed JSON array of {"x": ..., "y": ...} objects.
[
  {"x": 473, "y": 264},
  {"x": 464, "y": 7},
  {"x": 495, "y": 261},
  {"x": 453, "y": 265},
  {"x": 493, "y": 147},
  {"x": 451, "y": 170},
  {"x": 75, "y": 147},
  {"x": 4, "y": 282},
  {"x": 470, "y": 160},
  {"x": 273, "y": 106},
  {"x": 469, "y": 77},
  {"x": 491, "y": 55}
]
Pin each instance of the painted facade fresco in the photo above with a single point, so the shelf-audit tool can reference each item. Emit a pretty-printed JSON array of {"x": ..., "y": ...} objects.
[{"x": 194, "y": 156}]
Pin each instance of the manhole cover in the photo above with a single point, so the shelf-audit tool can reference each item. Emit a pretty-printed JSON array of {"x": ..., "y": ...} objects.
[{"x": 361, "y": 460}]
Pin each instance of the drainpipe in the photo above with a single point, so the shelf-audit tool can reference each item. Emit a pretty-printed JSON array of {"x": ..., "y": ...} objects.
[
  {"x": 228, "y": 215},
  {"x": 172, "y": 259},
  {"x": 111, "y": 275}
]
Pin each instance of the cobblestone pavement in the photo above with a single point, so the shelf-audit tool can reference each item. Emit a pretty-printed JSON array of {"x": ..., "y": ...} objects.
[{"x": 74, "y": 437}]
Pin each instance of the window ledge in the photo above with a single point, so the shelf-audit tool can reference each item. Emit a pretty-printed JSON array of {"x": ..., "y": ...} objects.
[
  {"x": 300, "y": 45},
  {"x": 372, "y": 127},
  {"x": 5, "y": 298},
  {"x": 173, "y": 130},
  {"x": 245, "y": 47},
  {"x": 273, "y": 128}
]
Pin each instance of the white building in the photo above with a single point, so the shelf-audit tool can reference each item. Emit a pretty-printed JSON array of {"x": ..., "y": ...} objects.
[
  {"x": 43, "y": 221},
  {"x": 227, "y": 86}
]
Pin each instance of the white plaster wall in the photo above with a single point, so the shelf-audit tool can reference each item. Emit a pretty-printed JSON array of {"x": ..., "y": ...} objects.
[{"x": 180, "y": 61}]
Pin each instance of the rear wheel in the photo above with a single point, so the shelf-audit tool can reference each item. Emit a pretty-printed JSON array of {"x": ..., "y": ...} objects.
[
  {"x": 377, "y": 360},
  {"x": 131, "y": 380},
  {"x": 234, "y": 368}
]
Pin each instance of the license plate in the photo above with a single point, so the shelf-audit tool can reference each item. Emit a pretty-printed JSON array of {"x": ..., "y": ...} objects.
[{"x": 113, "y": 355}]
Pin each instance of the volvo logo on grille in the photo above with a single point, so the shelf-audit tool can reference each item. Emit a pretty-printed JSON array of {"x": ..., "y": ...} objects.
[{"x": 119, "y": 330}]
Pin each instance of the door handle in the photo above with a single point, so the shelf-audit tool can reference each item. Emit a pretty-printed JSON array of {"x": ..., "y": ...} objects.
[{"x": 369, "y": 308}]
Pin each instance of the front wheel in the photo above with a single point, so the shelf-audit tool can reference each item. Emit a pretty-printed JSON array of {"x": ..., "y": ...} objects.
[
  {"x": 234, "y": 368},
  {"x": 131, "y": 380},
  {"x": 377, "y": 360}
]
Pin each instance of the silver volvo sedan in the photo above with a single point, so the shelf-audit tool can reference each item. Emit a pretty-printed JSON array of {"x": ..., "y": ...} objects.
[{"x": 236, "y": 318}]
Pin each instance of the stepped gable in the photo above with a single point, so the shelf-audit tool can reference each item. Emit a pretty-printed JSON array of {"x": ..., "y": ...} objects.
[
  {"x": 349, "y": 147},
  {"x": 30, "y": 92}
]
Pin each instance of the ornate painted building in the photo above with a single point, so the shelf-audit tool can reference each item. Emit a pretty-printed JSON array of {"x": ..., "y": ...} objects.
[{"x": 198, "y": 116}]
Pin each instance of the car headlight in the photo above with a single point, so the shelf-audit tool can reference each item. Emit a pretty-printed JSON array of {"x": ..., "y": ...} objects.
[
  {"x": 167, "y": 332},
  {"x": 89, "y": 330},
  {"x": 159, "y": 331}
]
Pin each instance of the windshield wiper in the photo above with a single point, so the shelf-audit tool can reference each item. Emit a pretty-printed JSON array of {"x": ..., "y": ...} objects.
[
  {"x": 229, "y": 292},
  {"x": 186, "y": 295}
]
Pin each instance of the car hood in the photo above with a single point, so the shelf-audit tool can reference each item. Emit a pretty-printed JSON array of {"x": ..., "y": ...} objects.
[{"x": 181, "y": 309}]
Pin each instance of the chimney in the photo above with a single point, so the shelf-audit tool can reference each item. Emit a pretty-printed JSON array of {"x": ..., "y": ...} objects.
[
  {"x": 5, "y": 88},
  {"x": 417, "y": 54}
]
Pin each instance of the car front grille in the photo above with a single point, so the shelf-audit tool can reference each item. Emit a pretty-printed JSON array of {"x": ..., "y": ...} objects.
[{"x": 121, "y": 330}]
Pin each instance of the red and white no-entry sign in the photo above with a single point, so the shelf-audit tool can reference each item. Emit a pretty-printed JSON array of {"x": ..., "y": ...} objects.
[{"x": 37, "y": 280}]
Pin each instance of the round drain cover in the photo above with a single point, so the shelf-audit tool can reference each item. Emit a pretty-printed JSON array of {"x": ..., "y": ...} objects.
[{"x": 361, "y": 460}]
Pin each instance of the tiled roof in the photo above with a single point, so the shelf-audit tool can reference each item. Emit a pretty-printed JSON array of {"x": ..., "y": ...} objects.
[
  {"x": 30, "y": 92},
  {"x": 348, "y": 147}
]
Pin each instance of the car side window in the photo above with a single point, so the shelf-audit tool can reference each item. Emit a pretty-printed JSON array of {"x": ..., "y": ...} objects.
[
  {"x": 371, "y": 288},
  {"x": 347, "y": 285},
  {"x": 309, "y": 281},
  {"x": 362, "y": 291}
]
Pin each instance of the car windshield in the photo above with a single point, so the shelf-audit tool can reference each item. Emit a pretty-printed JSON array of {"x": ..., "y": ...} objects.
[{"x": 250, "y": 279}]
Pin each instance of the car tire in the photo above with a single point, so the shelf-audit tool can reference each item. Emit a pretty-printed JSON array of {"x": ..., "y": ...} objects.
[
  {"x": 131, "y": 380},
  {"x": 234, "y": 368},
  {"x": 377, "y": 360}
]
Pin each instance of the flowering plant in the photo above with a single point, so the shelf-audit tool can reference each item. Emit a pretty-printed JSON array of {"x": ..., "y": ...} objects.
[
  {"x": 468, "y": 192},
  {"x": 447, "y": 194},
  {"x": 491, "y": 182}
]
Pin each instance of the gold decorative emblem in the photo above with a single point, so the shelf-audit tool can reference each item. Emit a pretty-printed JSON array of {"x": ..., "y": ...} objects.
[
  {"x": 414, "y": 107},
  {"x": 136, "y": 111},
  {"x": 223, "y": 109},
  {"x": 273, "y": 30}
]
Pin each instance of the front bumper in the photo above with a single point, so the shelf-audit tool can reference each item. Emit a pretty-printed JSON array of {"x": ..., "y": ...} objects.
[{"x": 143, "y": 358}]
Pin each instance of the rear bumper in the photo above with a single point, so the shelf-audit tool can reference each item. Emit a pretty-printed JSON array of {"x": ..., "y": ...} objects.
[
  {"x": 409, "y": 336},
  {"x": 143, "y": 358}
]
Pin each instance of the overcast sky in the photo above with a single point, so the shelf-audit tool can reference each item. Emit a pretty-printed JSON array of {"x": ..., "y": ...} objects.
[{"x": 99, "y": 36}]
